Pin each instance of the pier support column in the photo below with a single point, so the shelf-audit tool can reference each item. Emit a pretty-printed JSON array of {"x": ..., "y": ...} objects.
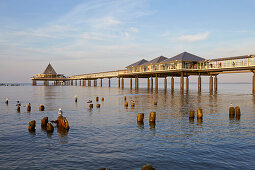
[
  {"x": 148, "y": 83},
  {"x": 215, "y": 83},
  {"x": 80, "y": 82},
  {"x": 34, "y": 83},
  {"x": 122, "y": 82},
  {"x": 253, "y": 83},
  {"x": 75, "y": 82},
  {"x": 136, "y": 83},
  {"x": 89, "y": 83},
  {"x": 151, "y": 83},
  {"x": 187, "y": 83},
  {"x": 109, "y": 82},
  {"x": 211, "y": 83},
  {"x": 101, "y": 82},
  {"x": 156, "y": 82},
  {"x": 172, "y": 83},
  {"x": 71, "y": 82},
  {"x": 119, "y": 82},
  {"x": 199, "y": 83},
  {"x": 165, "y": 83},
  {"x": 131, "y": 83},
  {"x": 95, "y": 83},
  {"x": 181, "y": 82},
  {"x": 46, "y": 83}
]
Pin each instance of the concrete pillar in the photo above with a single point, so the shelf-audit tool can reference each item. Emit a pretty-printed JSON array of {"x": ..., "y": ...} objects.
[
  {"x": 119, "y": 82},
  {"x": 165, "y": 83},
  {"x": 199, "y": 83},
  {"x": 122, "y": 82},
  {"x": 181, "y": 82},
  {"x": 172, "y": 83},
  {"x": 148, "y": 83},
  {"x": 34, "y": 83},
  {"x": 211, "y": 83},
  {"x": 131, "y": 83},
  {"x": 187, "y": 83},
  {"x": 109, "y": 83},
  {"x": 151, "y": 83},
  {"x": 156, "y": 82},
  {"x": 215, "y": 83},
  {"x": 101, "y": 82}
]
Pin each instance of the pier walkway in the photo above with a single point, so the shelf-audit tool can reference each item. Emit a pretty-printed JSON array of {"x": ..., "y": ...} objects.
[{"x": 182, "y": 66}]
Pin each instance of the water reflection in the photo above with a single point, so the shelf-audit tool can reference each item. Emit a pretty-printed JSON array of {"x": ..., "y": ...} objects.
[
  {"x": 63, "y": 135},
  {"x": 199, "y": 122},
  {"x": 140, "y": 125},
  {"x": 152, "y": 125}
]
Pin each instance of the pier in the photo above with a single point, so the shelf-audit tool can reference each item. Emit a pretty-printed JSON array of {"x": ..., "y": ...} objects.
[{"x": 181, "y": 66}]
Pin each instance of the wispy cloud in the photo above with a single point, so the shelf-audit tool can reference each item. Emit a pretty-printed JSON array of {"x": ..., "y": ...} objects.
[{"x": 194, "y": 37}]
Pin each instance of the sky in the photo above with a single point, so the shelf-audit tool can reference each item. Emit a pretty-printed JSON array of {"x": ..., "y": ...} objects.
[{"x": 81, "y": 36}]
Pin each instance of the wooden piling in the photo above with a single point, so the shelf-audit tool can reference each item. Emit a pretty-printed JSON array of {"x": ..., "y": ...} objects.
[
  {"x": 152, "y": 117},
  {"x": 97, "y": 98},
  {"x": 156, "y": 82},
  {"x": 31, "y": 125},
  {"x": 191, "y": 114},
  {"x": 211, "y": 83},
  {"x": 231, "y": 110},
  {"x": 140, "y": 117},
  {"x": 237, "y": 111},
  {"x": 75, "y": 99},
  {"x": 199, "y": 114},
  {"x": 90, "y": 105},
  {"x": 215, "y": 83},
  {"x": 98, "y": 105},
  {"x": 41, "y": 107}
]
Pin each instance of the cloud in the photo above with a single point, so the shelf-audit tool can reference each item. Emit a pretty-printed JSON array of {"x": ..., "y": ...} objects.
[
  {"x": 194, "y": 37},
  {"x": 133, "y": 29}
]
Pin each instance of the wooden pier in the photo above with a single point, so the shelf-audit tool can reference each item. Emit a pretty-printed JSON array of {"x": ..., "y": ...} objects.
[{"x": 181, "y": 66}]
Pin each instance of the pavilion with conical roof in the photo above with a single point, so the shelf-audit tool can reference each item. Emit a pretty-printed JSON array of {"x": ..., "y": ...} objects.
[{"x": 50, "y": 70}]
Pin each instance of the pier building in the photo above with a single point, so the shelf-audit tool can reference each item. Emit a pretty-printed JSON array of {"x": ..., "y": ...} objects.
[{"x": 180, "y": 66}]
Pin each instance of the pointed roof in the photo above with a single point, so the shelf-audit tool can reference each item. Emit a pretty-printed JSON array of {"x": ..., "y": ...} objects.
[
  {"x": 50, "y": 70},
  {"x": 185, "y": 56},
  {"x": 138, "y": 63},
  {"x": 155, "y": 60}
]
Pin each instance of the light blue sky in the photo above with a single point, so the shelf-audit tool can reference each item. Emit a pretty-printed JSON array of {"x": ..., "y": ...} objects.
[{"x": 81, "y": 36}]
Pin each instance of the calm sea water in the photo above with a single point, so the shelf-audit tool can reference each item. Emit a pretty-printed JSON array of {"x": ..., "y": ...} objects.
[{"x": 110, "y": 136}]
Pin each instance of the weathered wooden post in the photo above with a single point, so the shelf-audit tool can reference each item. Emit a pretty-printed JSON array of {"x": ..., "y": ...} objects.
[
  {"x": 44, "y": 122},
  {"x": 238, "y": 111},
  {"x": 41, "y": 107},
  {"x": 140, "y": 117},
  {"x": 119, "y": 82},
  {"x": 109, "y": 82},
  {"x": 98, "y": 105},
  {"x": 152, "y": 117},
  {"x": 31, "y": 125},
  {"x": 101, "y": 80},
  {"x": 199, "y": 114},
  {"x": 192, "y": 114}
]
